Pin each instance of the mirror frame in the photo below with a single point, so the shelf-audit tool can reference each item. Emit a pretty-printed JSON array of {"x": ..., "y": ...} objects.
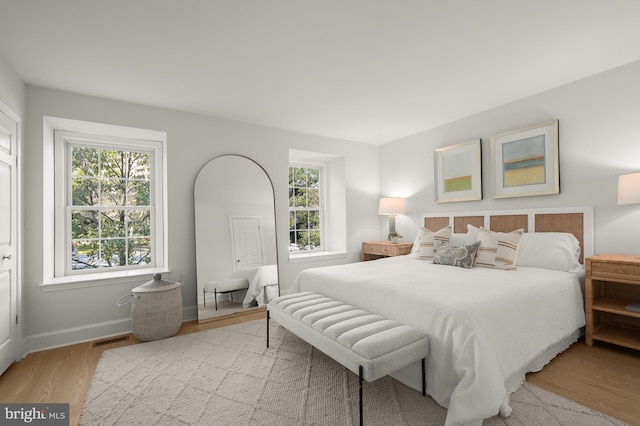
[{"x": 273, "y": 196}]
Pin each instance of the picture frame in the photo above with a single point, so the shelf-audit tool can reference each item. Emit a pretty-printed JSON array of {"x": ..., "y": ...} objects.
[
  {"x": 526, "y": 161},
  {"x": 458, "y": 170}
]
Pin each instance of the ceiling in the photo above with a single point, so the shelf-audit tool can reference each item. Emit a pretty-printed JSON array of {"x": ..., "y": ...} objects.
[{"x": 363, "y": 70}]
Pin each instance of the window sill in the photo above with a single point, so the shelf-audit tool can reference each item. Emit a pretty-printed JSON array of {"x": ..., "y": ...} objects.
[
  {"x": 311, "y": 257},
  {"x": 99, "y": 279}
]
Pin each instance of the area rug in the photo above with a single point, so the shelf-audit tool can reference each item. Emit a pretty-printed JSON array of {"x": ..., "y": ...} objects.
[{"x": 227, "y": 376}]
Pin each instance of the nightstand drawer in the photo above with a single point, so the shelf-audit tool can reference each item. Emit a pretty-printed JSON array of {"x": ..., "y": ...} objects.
[
  {"x": 615, "y": 270},
  {"x": 377, "y": 249}
]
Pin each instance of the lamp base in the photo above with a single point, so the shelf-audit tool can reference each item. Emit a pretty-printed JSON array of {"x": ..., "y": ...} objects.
[{"x": 392, "y": 224}]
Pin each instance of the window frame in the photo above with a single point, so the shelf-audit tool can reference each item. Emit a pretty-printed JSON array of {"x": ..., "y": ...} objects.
[
  {"x": 322, "y": 202},
  {"x": 65, "y": 142},
  {"x": 59, "y": 135}
]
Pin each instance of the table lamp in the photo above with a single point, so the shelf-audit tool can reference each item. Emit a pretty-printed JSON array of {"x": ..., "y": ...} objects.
[
  {"x": 629, "y": 188},
  {"x": 392, "y": 207}
]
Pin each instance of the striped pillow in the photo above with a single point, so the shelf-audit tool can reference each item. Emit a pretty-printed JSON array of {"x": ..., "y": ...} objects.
[
  {"x": 430, "y": 241},
  {"x": 498, "y": 249}
]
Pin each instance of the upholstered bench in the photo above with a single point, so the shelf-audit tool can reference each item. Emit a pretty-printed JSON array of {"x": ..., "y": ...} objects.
[
  {"x": 223, "y": 286},
  {"x": 367, "y": 344}
]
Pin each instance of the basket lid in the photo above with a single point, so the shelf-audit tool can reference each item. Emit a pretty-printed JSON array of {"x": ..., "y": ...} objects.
[{"x": 156, "y": 284}]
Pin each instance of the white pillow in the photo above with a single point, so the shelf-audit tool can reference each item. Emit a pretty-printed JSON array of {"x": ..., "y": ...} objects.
[
  {"x": 429, "y": 241},
  {"x": 559, "y": 251},
  {"x": 498, "y": 249},
  {"x": 472, "y": 235},
  {"x": 415, "y": 247}
]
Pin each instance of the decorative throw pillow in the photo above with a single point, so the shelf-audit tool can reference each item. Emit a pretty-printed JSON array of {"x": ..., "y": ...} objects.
[
  {"x": 459, "y": 239},
  {"x": 462, "y": 256},
  {"x": 486, "y": 256},
  {"x": 430, "y": 241},
  {"x": 498, "y": 249}
]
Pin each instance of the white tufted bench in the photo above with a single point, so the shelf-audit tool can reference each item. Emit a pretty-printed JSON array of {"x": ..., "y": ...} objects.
[
  {"x": 223, "y": 286},
  {"x": 366, "y": 344}
]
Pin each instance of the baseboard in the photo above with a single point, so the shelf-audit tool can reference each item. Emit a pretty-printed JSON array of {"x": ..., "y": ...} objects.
[
  {"x": 74, "y": 335},
  {"x": 189, "y": 313},
  {"x": 87, "y": 333}
]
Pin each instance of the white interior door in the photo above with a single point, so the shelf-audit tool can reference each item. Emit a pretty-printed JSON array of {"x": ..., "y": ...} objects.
[
  {"x": 8, "y": 235},
  {"x": 246, "y": 240}
]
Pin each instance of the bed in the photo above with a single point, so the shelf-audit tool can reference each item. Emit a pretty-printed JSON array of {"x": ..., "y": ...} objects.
[
  {"x": 487, "y": 327},
  {"x": 263, "y": 284}
]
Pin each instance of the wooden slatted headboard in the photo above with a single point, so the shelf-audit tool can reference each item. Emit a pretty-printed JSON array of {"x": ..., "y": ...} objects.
[{"x": 578, "y": 221}]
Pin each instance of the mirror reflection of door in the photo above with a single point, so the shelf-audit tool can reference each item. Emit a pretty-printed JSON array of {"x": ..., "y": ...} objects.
[
  {"x": 246, "y": 242},
  {"x": 236, "y": 251}
]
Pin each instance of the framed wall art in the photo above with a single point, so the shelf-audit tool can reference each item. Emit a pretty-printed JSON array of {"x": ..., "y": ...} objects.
[
  {"x": 459, "y": 172},
  {"x": 525, "y": 161}
]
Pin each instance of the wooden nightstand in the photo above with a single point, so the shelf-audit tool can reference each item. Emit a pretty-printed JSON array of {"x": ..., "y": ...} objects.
[
  {"x": 611, "y": 282},
  {"x": 376, "y": 249}
]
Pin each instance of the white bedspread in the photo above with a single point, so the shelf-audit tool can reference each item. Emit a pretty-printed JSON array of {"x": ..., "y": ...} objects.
[
  {"x": 485, "y": 326},
  {"x": 262, "y": 281}
]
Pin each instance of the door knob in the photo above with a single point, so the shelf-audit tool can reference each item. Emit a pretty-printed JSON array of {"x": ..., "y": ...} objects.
[{"x": 6, "y": 256}]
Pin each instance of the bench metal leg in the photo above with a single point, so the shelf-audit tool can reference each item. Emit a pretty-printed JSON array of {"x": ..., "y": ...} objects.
[
  {"x": 215, "y": 297},
  {"x": 360, "y": 391},
  {"x": 424, "y": 380},
  {"x": 268, "y": 316}
]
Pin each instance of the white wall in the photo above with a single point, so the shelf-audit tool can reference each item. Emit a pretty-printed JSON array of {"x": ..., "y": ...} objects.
[
  {"x": 599, "y": 139},
  {"x": 12, "y": 89},
  {"x": 60, "y": 317}
]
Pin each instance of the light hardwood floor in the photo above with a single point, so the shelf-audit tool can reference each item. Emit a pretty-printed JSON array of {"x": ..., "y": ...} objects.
[{"x": 605, "y": 378}]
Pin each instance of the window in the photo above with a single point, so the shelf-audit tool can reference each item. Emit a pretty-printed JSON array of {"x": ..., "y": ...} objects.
[
  {"x": 317, "y": 206},
  {"x": 108, "y": 197},
  {"x": 109, "y": 207},
  {"x": 305, "y": 208}
]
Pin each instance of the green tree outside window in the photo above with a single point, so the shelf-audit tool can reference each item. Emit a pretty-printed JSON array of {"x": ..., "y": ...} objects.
[
  {"x": 110, "y": 207},
  {"x": 305, "y": 210}
]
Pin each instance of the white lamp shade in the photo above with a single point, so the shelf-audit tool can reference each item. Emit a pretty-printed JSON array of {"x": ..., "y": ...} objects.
[
  {"x": 391, "y": 206},
  {"x": 629, "y": 188}
]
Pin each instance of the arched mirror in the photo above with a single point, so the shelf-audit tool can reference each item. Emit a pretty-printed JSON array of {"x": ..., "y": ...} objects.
[{"x": 236, "y": 252}]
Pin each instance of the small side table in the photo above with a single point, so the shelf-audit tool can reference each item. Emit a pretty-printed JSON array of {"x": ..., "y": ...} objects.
[
  {"x": 612, "y": 281},
  {"x": 372, "y": 250}
]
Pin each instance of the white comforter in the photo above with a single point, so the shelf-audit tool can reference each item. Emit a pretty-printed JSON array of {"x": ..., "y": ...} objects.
[
  {"x": 485, "y": 326},
  {"x": 263, "y": 282}
]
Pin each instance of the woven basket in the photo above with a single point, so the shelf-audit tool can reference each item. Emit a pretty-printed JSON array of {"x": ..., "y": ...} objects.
[{"x": 156, "y": 309}]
